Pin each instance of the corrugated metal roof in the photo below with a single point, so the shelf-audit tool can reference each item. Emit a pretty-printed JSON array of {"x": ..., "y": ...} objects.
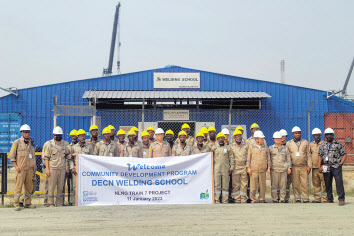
[{"x": 138, "y": 94}]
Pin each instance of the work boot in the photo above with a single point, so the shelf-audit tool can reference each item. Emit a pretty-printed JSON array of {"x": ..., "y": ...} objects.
[
  {"x": 21, "y": 204},
  {"x": 18, "y": 208},
  {"x": 286, "y": 201},
  {"x": 274, "y": 201},
  {"x": 341, "y": 203}
]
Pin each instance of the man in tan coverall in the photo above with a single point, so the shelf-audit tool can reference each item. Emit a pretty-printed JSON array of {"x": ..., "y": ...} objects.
[
  {"x": 132, "y": 148},
  {"x": 145, "y": 143},
  {"x": 56, "y": 156},
  {"x": 239, "y": 174},
  {"x": 199, "y": 146},
  {"x": 189, "y": 138},
  {"x": 299, "y": 153},
  {"x": 318, "y": 183},
  {"x": 280, "y": 167},
  {"x": 257, "y": 164},
  {"x": 159, "y": 148},
  {"x": 106, "y": 147},
  {"x": 224, "y": 164},
  {"x": 182, "y": 148},
  {"x": 23, "y": 157}
]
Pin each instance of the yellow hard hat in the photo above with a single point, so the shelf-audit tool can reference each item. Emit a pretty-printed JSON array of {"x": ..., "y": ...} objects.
[
  {"x": 144, "y": 133},
  {"x": 211, "y": 128},
  {"x": 239, "y": 128},
  {"x": 203, "y": 130},
  {"x": 236, "y": 132},
  {"x": 170, "y": 132},
  {"x": 150, "y": 129},
  {"x": 106, "y": 130},
  {"x": 135, "y": 129},
  {"x": 185, "y": 126},
  {"x": 120, "y": 132},
  {"x": 200, "y": 134},
  {"x": 131, "y": 132},
  {"x": 254, "y": 125},
  {"x": 80, "y": 132},
  {"x": 73, "y": 132},
  {"x": 220, "y": 135},
  {"x": 93, "y": 127},
  {"x": 182, "y": 133},
  {"x": 111, "y": 127}
]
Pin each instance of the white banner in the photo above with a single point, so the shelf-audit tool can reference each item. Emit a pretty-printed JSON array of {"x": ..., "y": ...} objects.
[
  {"x": 178, "y": 80},
  {"x": 139, "y": 181}
]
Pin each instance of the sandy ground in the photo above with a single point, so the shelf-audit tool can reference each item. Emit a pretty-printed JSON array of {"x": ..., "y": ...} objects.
[{"x": 222, "y": 219}]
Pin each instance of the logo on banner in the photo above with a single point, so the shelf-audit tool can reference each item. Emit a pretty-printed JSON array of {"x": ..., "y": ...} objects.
[
  {"x": 204, "y": 195},
  {"x": 89, "y": 196}
]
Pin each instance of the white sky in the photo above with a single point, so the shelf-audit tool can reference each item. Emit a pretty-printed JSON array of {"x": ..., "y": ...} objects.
[{"x": 44, "y": 42}]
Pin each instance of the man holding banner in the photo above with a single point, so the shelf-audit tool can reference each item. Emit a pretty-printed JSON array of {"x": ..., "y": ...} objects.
[{"x": 224, "y": 163}]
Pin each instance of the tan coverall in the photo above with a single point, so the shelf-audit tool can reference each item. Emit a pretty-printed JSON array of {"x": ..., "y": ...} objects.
[
  {"x": 318, "y": 183},
  {"x": 92, "y": 142},
  {"x": 211, "y": 143},
  {"x": 190, "y": 141},
  {"x": 159, "y": 150},
  {"x": 86, "y": 148},
  {"x": 251, "y": 140},
  {"x": 111, "y": 150},
  {"x": 288, "y": 183},
  {"x": 204, "y": 149},
  {"x": 178, "y": 150},
  {"x": 223, "y": 162},
  {"x": 57, "y": 156},
  {"x": 121, "y": 148},
  {"x": 279, "y": 163},
  {"x": 258, "y": 161},
  {"x": 239, "y": 175},
  {"x": 145, "y": 150},
  {"x": 135, "y": 150},
  {"x": 24, "y": 155},
  {"x": 299, "y": 153}
]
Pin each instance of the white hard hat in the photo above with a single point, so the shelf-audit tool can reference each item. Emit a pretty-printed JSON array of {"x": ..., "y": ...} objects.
[
  {"x": 316, "y": 131},
  {"x": 57, "y": 130},
  {"x": 283, "y": 132},
  {"x": 25, "y": 127},
  {"x": 277, "y": 135},
  {"x": 259, "y": 134},
  {"x": 329, "y": 131},
  {"x": 225, "y": 131},
  {"x": 296, "y": 129},
  {"x": 159, "y": 131}
]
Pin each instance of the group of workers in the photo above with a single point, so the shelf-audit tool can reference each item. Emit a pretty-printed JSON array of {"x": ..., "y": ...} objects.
[{"x": 244, "y": 162}]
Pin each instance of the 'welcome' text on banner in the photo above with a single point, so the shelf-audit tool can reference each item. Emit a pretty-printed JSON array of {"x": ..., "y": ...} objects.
[{"x": 133, "y": 181}]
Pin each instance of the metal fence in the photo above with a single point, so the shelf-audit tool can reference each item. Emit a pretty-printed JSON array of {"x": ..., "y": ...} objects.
[{"x": 269, "y": 122}]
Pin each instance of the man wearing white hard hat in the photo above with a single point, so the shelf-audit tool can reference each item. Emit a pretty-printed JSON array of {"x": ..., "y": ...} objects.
[
  {"x": 226, "y": 132},
  {"x": 159, "y": 148},
  {"x": 258, "y": 164},
  {"x": 23, "y": 157},
  {"x": 300, "y": 158},
  {"x": 319, "y": 187},
  {"x": 284, "y": 134},
  {"x": 332, "y": 155},
  {"x": 280, "y": 167},
  {"x": 56, "y": 155}
]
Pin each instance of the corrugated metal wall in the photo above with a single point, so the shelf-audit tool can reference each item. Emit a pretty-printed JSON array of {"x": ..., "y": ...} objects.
[{"x": 36, "y": 104}]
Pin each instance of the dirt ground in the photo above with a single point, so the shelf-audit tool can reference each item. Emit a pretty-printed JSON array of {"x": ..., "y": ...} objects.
[{"x": 222, "y": 219}]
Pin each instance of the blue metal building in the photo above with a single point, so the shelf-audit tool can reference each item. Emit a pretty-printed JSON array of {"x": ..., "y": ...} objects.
[{"x": 272, "y": 105}]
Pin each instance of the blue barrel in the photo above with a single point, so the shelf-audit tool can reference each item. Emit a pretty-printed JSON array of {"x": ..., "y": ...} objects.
[{"x": 10, "y": 124}]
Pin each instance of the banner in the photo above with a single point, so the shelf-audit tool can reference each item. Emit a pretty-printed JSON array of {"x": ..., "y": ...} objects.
[{"x": 138, "y": 181}]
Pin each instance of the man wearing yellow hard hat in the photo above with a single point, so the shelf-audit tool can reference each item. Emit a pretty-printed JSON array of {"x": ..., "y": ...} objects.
[
  {"x": 239, "y": 174},
  {"x": 106, "y": 147},
  {"x": 199, "y": 146},
  {"x": 254, "y": 127},
  {"x": 151, "y": 132},
  {"x": 224, "y": 164},
  {"x": 95, "y": 138},
  {"x": 132, "y": 148},
  {"x": 169, "y": 137},
  {"x": 182, "y": 149},
  {"x": 74, "y": 140},
  {"x": 113, "y": 133},
  {"x": 190, "y": 139},
  {"x": 205, "y": 132},
  {"x": 145, "y": 143},
  {"x": 136, "y": 130},
  {"x": 121, "y": 142},
  {"x": 212, "y": 136}
]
